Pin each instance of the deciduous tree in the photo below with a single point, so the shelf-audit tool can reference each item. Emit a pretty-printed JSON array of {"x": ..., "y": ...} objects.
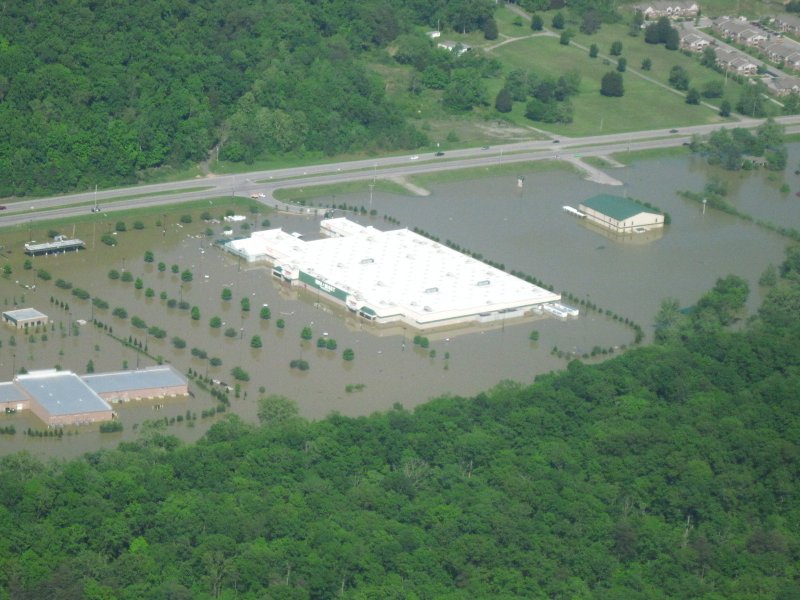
[
  {"x": 612, "y": 85},
  {"x": 503, "y": 102}
]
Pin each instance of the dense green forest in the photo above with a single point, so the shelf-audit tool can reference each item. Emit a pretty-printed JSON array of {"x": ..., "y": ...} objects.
[
  {"x": 98, "y": 92},
  {"x": 668, "y": 472}
]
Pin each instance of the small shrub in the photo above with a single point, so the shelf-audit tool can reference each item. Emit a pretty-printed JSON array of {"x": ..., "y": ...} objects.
[{"x": 240, "y": 374}]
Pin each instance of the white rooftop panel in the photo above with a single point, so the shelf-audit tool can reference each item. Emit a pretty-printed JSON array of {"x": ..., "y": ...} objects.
[
  {"x": 120, "y": 381},
  {"x": 272, "y": 244},
  {"x": 24, "y": 314},
  {"x": 11, "y": 393},
  {"x": 61, "y": 392},
  {"x": 341, "y": 226}
]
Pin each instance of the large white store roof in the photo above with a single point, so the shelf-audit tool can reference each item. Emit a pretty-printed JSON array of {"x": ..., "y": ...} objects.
[{"x": 402, "y": 273}]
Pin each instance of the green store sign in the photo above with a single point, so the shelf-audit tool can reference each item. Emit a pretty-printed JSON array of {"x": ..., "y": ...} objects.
[{"x": 332, "y": 290}]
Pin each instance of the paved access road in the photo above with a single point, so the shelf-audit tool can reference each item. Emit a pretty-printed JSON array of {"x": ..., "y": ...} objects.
[{"x": 243, "y": 184}]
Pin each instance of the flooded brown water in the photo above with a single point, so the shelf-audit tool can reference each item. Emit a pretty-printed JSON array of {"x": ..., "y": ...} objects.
[{"x": 526, "y": 230}]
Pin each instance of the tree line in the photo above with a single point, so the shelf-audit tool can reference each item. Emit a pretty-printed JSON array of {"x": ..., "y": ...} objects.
[{"x": 103, "y": 92}]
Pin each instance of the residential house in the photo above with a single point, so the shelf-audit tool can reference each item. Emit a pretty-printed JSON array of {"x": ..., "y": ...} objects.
[
  {"x": 673, "y": 10},
  {"x": 694, "y": 42},
  {"x": 728, "y": 27},
  {"x": 787, "y": 23},
  {"x": 784, "y": 85},
  {"x": 742, "y": 65},
  {"x": 736, "y": 62},
  {"x": 753, "y": 37},
  {"x": 456, "y": 47},
  {"x": 786, "y": 52},
  {"x": 740, "y": 31}
]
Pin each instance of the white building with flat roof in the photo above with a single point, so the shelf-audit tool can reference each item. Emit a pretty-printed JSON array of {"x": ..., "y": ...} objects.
[
  {"x": 61, "y": 398},
  {"x": 25, "y": 317},
  {"x": 394, "y": 276}
]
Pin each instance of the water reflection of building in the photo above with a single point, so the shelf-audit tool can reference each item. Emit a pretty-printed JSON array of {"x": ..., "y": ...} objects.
[
  {"x": 63, "y": 398},
  {"x": 628, "y": 237},
  {"x": 395, "y": 276},
  {"x": 620, "y": 215}
]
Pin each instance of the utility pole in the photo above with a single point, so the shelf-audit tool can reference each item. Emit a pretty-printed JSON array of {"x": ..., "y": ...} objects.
[{"x": 371, "y": 187}]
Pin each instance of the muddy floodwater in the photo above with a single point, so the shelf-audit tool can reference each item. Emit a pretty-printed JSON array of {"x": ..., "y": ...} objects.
[{"x": 524, "y": 229}]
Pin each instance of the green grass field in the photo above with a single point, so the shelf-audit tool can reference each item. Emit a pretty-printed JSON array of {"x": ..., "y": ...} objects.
[
  {"x": 448, "y": 129},
  {"x": 510, "y": 25},
  {"x": 629, "y": 157},
  {"x": 644, "y": 105},
  {"x": 213, "y": 205},
  {"x": 309, "y": 192},
  {"x": 493, "y": 171},
  {"x": 634, "y": 49}
]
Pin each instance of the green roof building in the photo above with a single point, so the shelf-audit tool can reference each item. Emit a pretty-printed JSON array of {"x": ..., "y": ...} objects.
[{"x": 620, "y": 215}]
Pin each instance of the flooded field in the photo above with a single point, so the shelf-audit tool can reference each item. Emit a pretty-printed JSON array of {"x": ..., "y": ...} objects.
[{"x": 525, "y": 229}]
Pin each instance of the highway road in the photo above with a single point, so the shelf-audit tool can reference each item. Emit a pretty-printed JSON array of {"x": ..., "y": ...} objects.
[{"x": 243, "y": 184}]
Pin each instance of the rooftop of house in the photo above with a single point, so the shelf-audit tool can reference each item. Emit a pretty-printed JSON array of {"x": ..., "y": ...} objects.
[
  {"x": 785, "y": 82},
  {"x": 788, "y": 19},
  {"x": 615, "y": 207},
  {"x": 665, "y": 4}
]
